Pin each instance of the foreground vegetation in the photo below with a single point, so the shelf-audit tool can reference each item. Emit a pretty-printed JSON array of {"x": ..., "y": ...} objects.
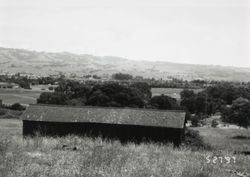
[
  {"x": 9, "y": 113},
  {"x": 81, "y": 156},
  {"x": 74, "y": 156}
]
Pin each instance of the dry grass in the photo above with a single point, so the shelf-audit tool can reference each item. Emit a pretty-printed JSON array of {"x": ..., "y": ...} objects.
[
  {"x": 74, "y": 156},
  {"x": 11, "y": 96},
  {"x": 224, "y": 138},
  {"x": 9, "y": 114},
  {"x": 41, "y": 156}
]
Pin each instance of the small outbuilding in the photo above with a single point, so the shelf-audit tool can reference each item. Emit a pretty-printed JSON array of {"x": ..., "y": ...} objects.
[{"x": 125, "y": 124}]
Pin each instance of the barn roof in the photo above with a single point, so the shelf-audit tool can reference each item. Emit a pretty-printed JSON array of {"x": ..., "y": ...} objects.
[{"x": 128, "y": 116}]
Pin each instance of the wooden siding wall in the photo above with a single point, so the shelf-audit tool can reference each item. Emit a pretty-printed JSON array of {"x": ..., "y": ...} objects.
[{"x": 124, "y": 133}]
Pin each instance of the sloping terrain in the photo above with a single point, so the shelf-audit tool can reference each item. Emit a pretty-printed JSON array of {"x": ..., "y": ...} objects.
[
  {"x": 74, "y": 156},
  {"x": 44, "y": 63}
]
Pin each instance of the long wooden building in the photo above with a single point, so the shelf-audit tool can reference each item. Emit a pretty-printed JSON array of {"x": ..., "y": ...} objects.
[{"x": 125, "y": 124}]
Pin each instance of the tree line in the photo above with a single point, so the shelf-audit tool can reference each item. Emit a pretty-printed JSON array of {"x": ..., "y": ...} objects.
[
  {"x": 135, "y": 95},
  {"x": 230, "y": 100}
]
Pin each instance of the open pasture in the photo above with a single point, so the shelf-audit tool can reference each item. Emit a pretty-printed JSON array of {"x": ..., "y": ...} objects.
[
  {"x": 231, "y": 139},
  {"x": 11, "y": 96}
]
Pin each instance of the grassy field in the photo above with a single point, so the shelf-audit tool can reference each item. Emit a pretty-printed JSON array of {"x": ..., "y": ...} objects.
[
  {"x": 10, "y": 127},
  {"x": 11, "y": 96},
  {"x": 74, "y": 156},
  {"x": 231, "y": 139},
  {"x": 172, "y": 92}
]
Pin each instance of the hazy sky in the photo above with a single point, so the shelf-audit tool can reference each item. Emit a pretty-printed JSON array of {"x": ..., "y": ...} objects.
[{"x": 187, "y": 31}]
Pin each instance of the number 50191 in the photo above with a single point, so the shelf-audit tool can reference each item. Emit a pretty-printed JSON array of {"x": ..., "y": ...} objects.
[{"x": 220, "y": 159}]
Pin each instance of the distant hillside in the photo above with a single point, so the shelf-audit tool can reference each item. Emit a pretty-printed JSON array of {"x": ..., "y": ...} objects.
[{"x": 45, "y": 63}]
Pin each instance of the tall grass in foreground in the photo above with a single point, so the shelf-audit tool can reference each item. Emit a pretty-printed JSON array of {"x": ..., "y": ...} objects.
[{"x": 74, "y": 156}]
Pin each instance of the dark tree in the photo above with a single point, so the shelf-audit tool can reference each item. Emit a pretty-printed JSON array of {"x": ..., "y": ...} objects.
[
  {"x": 98, "y": 98},
  {"x": 201, "y": 103},
  {"x": 189, "y": 104},
  {"x": 238, "y": 113},
  {"x": 188, "y": 100},
  {"x": 122, "y": 76},
  {"x": 115, "y": 94},
  {"x": 227, "y": 114},
  {"x": 164, "y": 102},
  {"x": 73, "y": 89},
  {"x": 243, "y": 117},
  {"x": 143, "y": 90},
  {"x": 23, "y": 82},
  {"x": 187, "y": 94},
  {"x": 17, "y": 106},
  {"x": 53, "y": 98},
  {"x": 195, "y": 120}
]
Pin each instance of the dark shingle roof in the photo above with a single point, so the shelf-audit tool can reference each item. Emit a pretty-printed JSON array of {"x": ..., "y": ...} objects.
[{"x": 128, "y": 116}]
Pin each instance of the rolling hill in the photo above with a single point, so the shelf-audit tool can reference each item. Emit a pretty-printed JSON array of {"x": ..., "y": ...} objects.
[{"x": 46, "y": 63}]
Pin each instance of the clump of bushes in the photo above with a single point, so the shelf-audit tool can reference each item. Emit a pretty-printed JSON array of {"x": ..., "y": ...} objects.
[
  {"x": 17, "y": 107},
  {"x": 195, "y": 121},
  {"x": 241, "y": 137},
  {"x": 194, "y": 141},
  {"x": 9, "y": 114},
  {"x": 214, "y": 123},
  {"x": 11, "y": 111},
  {"x": 164, "y": 102},
  {"x": 2, "y": 112}
]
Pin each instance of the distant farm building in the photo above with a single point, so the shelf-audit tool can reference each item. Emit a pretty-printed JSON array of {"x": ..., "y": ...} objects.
[{"x": 124, "y": 124}]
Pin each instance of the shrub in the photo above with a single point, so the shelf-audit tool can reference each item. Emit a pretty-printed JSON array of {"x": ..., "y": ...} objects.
[
  {"x": 194, "y": 141},
  {"x": 195, "y": 121},
  {"x": 164, "y": 102},
  {"x": 111, "y": 94},
  {"x": 214, "y": 123},
  {"x": 53, "y": 98},
  {"x": 188, "y": 115},
  {"x": 2, "y": 112},
  {"x": 122, "y": 76},
  {"x": 241, "y": 137},
  {"x": 17, "y": 106}
]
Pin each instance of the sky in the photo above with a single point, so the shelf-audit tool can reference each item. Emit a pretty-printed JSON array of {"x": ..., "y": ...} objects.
[{"x": 214, "y": 32}]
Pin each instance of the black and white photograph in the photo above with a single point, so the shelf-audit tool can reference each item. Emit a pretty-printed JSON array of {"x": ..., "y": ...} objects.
[{"x": 124, "y": 88}]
